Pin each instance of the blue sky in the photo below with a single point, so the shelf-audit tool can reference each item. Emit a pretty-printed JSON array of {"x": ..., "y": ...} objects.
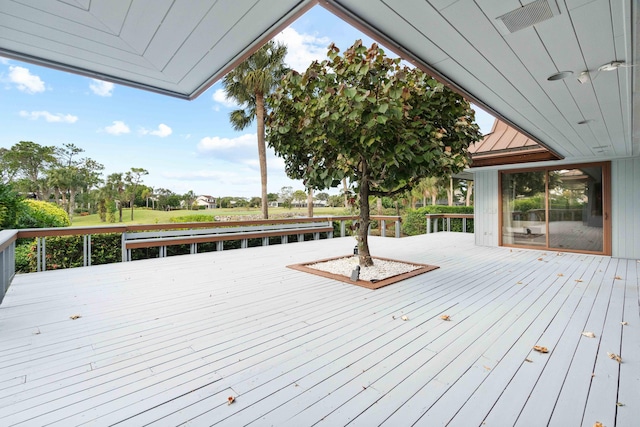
[{"x": 185, "y": 145}]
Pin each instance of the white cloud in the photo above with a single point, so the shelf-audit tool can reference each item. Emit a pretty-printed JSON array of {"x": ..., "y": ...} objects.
[
  {"x": 220, "y": 97},
  {"x": 215, "y": 143},
  {"x": 302, "y": 49},
  {"x": 117, "y": 128},
  {"x": 162, "y": 131},
  {"x": 4, "y": 61},
  {"x": 101, "y": 88},
  {"x": 49, "y": 117},
  {"x": 25, "y": 81}
]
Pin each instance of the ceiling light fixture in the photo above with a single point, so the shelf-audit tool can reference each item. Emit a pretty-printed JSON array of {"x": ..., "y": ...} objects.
[
  {"x": 611, "y": 66},
  {"x": 560, "y": 75},
  {"x": 584, "y": 77}
]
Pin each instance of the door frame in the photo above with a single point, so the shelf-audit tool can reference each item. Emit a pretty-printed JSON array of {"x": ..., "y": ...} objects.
[{"x": 606, "y": 206}]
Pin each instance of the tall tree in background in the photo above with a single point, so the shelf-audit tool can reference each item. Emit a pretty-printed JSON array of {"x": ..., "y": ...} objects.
[
  {"x": 7, "y": 169},
  {"x": 29, "y": 159},
  {"x": 114, "y": 191},
  {"x": 132, "y": 179},
  {"x": 189, "y": 199},
  {"x": 71, "y": 175},
  {"x": 366, "y": 117},
  {"x": 249, "y": 84}
]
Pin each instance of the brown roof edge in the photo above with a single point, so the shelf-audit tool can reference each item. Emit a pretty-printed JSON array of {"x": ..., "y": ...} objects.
[
  {"x": 539, "y": 155},
  {"x": 360, "y": 24}
]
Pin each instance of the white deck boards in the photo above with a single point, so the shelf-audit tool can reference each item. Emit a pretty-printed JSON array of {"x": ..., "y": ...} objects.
[{"x": 165, "y": 342}]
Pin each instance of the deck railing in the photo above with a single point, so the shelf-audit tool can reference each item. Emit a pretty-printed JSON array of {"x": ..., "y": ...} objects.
[
  {"x": 433, "y": 221},
  {"x": 8, "y": 237},
  {"x": 7, "y": 259}
]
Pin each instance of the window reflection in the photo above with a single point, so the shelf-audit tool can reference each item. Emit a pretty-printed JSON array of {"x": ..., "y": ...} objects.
[{"x": 559, "y": 209}]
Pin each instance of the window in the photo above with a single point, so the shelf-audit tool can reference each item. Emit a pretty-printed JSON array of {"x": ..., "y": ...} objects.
[{"x": 554, "y": 208}]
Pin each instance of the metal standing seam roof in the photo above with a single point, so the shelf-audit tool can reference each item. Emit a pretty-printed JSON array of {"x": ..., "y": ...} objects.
[{"x": 505, "y": 145}]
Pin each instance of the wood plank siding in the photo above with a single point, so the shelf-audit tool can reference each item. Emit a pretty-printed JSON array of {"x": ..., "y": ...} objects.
[
  {"x": 625, "y": 207},
  {"x": 166, "y": 341}
]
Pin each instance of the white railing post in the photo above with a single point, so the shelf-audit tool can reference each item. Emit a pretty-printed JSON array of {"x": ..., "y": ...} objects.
[
  {"x": 398, "y": 228},
  {"x": 383, "y": 228},
  {"x": 126, "y": 254},
  {"x": 7, "y": 260}
]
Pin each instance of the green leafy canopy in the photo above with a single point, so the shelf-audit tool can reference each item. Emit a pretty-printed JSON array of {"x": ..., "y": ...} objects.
[
  {"x": 362, "y": 111},
  {"x": 370, "y": 119}
]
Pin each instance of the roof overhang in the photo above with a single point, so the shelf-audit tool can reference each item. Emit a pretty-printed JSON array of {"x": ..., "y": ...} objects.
[{"x": 180, "y": 49}]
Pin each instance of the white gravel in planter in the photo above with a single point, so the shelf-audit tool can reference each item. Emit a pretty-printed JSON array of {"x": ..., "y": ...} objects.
[{"x": 381, "y": 269}]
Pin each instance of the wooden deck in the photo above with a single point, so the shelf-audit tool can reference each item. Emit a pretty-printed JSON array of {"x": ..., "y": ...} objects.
[{"x": 166, "y": 342}]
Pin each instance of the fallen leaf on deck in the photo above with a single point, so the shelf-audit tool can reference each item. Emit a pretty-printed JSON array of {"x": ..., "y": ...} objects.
[
  {"x": 619, "y": 404},
  {"x": 618, "y": 278},
  {"x": 519, "y": 283},
  {"x": 539, "y": 259},
  {"x": 598, "y": 424},
  {"x": 614, "y": 357},
  {"x": 540, "y": 348},
  {"x": 445, "y": 317},
  {"x": 589, "y": 334},
  {"x": 624, "y": 323},
  {"x": 405, "y": 317},
  {"x": 486, "y": 367},
  {"x": 560, "y": 274},
  {"x": 578, "y": 280},
  {"x": 528, "y": 360},
  {"x": 230, "y": 400},
  {"x": 74, "y": 317}
]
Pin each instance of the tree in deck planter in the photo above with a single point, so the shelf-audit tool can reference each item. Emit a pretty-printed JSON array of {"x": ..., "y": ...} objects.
[{"x": 367, "y": 118}]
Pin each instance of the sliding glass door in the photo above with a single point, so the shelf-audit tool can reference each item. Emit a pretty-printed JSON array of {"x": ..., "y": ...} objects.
[{"x": 564, "y": 209}]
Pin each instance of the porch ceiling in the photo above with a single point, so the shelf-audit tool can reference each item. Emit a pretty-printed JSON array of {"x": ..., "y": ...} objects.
[{"x": 163, "y": 46}]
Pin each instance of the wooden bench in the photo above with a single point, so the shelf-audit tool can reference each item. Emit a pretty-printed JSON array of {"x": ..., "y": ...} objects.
[{"x": 162, "y": 239}]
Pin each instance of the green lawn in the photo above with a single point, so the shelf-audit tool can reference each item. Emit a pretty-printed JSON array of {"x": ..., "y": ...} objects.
[{"x": 147, "y": 216}]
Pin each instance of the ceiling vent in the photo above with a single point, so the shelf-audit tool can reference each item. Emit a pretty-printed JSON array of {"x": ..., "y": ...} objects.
[{"x": 527, "y": 16}]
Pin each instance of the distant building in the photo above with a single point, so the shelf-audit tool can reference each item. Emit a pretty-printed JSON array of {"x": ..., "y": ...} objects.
[{"x": 208, "y": 201}]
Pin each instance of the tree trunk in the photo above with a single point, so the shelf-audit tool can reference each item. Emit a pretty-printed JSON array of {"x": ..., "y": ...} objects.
[
  {"x": 310, "y": 203},
  {"x": 119, "y": 211},
  {"x": 379, "y": 205},
  {"x": 450, "y": 192},
  {"x": 132, "y": 209},
  {"x": 469, "y": 192},
  {"x": 262, "y": 153},
  {"x": 363, "y": 242},
  {"x": 72, "y": 203},
  {"x": 344, "y": 189}
]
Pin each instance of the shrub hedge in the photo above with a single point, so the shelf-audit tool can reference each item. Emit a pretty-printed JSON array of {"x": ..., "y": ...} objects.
[
  {"x": 415, "y": 222},
  {"x": 193, "y": 218},
  {"x": 41, "y": 214},
  {"x": 67, "y": 251}
]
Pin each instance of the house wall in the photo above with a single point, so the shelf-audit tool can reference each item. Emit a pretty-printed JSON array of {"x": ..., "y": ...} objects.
[
  {"x": 625, "y": 207},
  {"x": 486, "y": 208}
]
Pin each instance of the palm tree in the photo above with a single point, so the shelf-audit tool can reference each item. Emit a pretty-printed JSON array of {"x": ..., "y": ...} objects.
[{"x": 248, "y": 84}]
